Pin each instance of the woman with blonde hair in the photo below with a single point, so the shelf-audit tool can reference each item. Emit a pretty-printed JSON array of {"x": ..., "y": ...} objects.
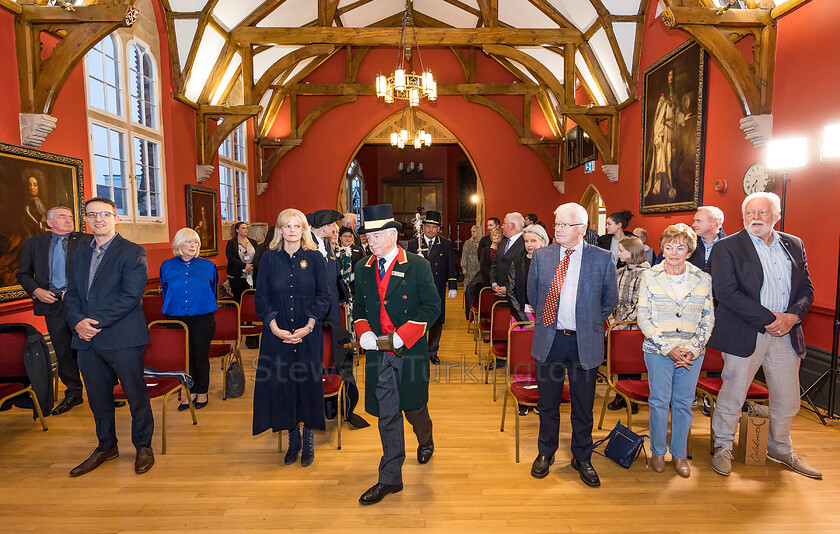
[
  {"x": 292, "y": 296},
  {"x": 676, "y": 315},
  {"x": 189, "y": 295}
]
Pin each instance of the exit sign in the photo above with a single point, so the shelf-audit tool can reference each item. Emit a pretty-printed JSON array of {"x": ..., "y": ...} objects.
[{"x": 589, "y": 166}]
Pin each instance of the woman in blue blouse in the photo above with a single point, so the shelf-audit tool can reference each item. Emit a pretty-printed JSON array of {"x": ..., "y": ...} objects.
[
  {"x": 189, "y": 295},
  {"x": 292, "y": 295}
]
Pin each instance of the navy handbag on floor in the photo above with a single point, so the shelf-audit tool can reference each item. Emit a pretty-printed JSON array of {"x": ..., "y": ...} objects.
[{"x": 623, "y": 446}]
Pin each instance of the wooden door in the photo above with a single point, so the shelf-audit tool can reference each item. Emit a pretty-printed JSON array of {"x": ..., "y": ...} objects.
[{"x": 406, "y": 197}]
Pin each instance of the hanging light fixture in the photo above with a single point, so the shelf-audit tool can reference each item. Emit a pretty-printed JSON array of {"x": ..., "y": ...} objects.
[
  {"x": 402, "y": 85},
  {"x": 408, "y": 134}
]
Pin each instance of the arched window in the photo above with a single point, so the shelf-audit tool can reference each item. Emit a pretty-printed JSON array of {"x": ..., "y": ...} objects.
[
  {"x": 104, "y": 76},
  {"x": 355, "y": 189},
  {"x": 141, "y": 80},
  {"x": 233, "y": 176}
]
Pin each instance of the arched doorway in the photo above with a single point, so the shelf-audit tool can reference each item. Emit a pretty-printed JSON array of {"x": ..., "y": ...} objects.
[{"x": 595, "y": 208}]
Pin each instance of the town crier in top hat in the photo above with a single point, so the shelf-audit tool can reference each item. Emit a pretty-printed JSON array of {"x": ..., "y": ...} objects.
[
  {"x": 395, "y": 294},
  {"x": 438, "y": 250}
]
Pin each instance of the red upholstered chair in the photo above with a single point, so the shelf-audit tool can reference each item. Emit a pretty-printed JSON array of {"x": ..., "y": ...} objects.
[
  {"x": 482, "y": 318},
  {"x": 709, "y": 387},
  {"x": 521, "y": 374},
  {"x": 153, "y": 307},
  {"x": 13, "y": 369},
  {"x": 250, "y": 324},
  {"x": 225, "y": 342},
  {"x": 625, "y": 356},
  {"x": 168, "y": 351},
  {"x": 499, "y": 325}
]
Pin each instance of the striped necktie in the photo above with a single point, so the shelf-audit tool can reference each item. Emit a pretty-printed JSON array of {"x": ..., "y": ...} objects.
[{"x": 549, "y": 316}]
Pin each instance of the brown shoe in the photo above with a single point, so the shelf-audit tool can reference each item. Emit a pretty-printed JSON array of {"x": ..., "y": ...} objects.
[
  {"x": 144, "y": 461},
  {"x": 95, "y": 460}
]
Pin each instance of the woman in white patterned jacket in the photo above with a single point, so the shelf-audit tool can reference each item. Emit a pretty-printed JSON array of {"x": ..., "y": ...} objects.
[{"x": 676, "y": 315}]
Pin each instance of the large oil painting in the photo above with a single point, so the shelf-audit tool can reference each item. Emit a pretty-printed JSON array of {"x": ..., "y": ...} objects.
[
  {"x": 673, "y": 129},
  {"x": 32, "y": 182},
  {"x": 203, "y": 217}
]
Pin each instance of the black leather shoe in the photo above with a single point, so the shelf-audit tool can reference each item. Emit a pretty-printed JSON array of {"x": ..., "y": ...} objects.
[
  {"x": 424, "y": 453},
  {"x": 95, "y": 460},
  {"x": 539, "y": 469},
  {"x": 66, "y": 404},
  {"x": 634, "y": 408},
  {"x": 587, "y": 473},
  {"x": 434, "y": 359},
  {"x": 119, "y": 404},
  {"x": 186, "y": 406},
  {"x": 378, "y": 492},
  {"x": 199, "y": 405},
  {"x": 144, "y": 460},
  {"x": 617, "y": 403}
]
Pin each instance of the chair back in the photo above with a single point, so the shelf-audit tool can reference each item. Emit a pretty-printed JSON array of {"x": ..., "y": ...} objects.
[
  {"x": 485, "y": 303},
  {"x": 153, "y": 307},
  {"x": 247, "y": 308},
  {"x": 499, "y": 322},
  {"x": 520, "y": 363},
  {"x": 11, "y": 354},
  {"x": 624, "y": 350},
  {"x": 327, "y": 359},
  {"x": 227, "y": 322},
  {"x": 169, "y": 348},
  {"x": 712, "y": 362}
]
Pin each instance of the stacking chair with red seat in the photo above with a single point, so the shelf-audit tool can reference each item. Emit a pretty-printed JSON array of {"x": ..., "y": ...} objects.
[
  {"x": 521, "y": 374},
  {"x": 13, "y": 371},
  {"x": 153, "y": 306},
  {"x": 625, "y": 357},
  {"x": 499, "y": 325},
  {"x": 168, "y": 352},
  {"x": 250, "y": 324},
  {"x": 225, "y": 341},
  {"x": 709, "y": 387},
  {"x": 482, "y": 318}
]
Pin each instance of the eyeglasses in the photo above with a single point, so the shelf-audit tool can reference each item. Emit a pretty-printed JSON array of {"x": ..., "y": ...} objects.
[
  {"x": 565, "y": 226},
  {"x": 103, "y": 214}
]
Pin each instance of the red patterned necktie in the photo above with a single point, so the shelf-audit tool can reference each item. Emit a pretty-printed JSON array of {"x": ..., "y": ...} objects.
[{"x": 549, "y": 316}]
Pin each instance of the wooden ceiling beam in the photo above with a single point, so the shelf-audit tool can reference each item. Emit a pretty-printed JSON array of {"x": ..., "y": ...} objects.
[
  {"x": 454, "y": 89},
  {"x": 733, "y": 18},
  {"x": 326, "y": 12},
  {"x": 289, "y": 60},
  {"x": 388, "y": 37},
  {"x": 208, "y": 143}
]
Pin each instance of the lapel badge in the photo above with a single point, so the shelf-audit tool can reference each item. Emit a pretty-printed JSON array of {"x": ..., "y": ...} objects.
[{"x": 303, "y": 264}]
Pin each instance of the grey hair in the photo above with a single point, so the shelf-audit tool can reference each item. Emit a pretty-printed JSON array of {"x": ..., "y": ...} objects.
[
  {"x": 775, "y": 202},
  {"x": 577, "y": 211},
  {"x": 181, "y": 237},
  {"x": 714, "y": 212},
  {"x": 52, "y": 210},
  {"x": 516, "y": 218},
  {"x": 538, "y": 231}
]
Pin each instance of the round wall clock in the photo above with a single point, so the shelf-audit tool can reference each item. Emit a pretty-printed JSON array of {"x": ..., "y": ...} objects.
[{"x": 757, "y": 179}]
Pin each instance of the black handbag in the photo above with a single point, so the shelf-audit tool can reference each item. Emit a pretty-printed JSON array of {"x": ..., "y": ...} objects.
[
  {"x": 234, "y": 378},
  {"x": 623, "y": 446}
]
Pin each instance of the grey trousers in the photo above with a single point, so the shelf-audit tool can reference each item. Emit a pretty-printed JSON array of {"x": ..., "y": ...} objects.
[
  {"x": 781, "y": 369},
  {"x": 391, "y": 430}
]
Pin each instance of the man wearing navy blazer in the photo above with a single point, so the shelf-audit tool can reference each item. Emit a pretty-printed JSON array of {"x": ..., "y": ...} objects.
[
  {"x": 513, "y": 247},
  {"x": 763, "y": 292},
  {"x": 43, "y": 272},
  {"x": 104, "y": 307},
  {"x": 576, "y": 290}
]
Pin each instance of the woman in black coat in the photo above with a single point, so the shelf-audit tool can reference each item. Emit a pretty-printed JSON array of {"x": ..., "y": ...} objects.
[
  {"x": 240, "y": 252},
  {"x": 486, "y": 256},
  {"x": 534, "y": 237},
  {"x": 292, "y": 296}
]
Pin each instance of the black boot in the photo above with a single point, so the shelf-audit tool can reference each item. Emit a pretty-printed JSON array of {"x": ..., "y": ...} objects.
[
  {"x": 308, "y": 454},
  {"x": 294, "y": 446},
  {"x": 617, "y": 403}
]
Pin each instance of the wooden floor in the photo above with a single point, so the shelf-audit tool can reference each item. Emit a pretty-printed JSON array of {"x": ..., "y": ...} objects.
[{"x": 217, "y": 477}]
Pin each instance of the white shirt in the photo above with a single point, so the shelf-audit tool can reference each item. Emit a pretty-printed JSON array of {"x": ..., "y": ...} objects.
[
  {"x": 321, "y": 247},
  {"x": 510, "y": 242},
  {"x": 568, "y": 293}
]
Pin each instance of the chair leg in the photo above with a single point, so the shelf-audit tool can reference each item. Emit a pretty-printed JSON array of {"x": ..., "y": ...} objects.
[
  {"x": 37, "y": 408},
  {"x": 711, "y": 418},
  {"x": 516, "y": 415},
  {"x": 190, "y": 402},
  {"x": 224, "y": 376},
  {"x": 495, "y": 378},
  {"x": 629, "y": 413},
  {"x": 504, "y": 408},
  {"x": 279, "y": 441},
  {"x": 688, "y": 445},
  {"x": 163, "y": 426},
  {"x": 340, "y": 397},
  {"x": 604, "y": 407}
]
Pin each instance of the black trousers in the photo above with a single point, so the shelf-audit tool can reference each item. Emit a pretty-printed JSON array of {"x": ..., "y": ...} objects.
[
  {"x": 563, "y": 359},
  {"x": 237, "y": 286},
  {"x": 66, "y": 357},
  {"x": 101, "y": 369},
  {"x": 201, "y": 330},
  {"x": 434, "y": 337}
]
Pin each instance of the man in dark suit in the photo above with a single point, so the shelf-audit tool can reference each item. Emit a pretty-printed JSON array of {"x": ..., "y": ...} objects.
[
  {"x": 103, "y": 305},
  {"x": 486, "y": 240},
  {"x": 323, "y": 227},
  {"x": 43, "y": 272},
  {"x": 763, "y": 292},
  {"x": 574, "y": 290},
  {"x": 351, "y": 221},
  {"x": 708, "y": 225},
  {"x": 511, "y": 248},
  {"x": 395, "y": 294},
  {"x": 438, "y": 250}
]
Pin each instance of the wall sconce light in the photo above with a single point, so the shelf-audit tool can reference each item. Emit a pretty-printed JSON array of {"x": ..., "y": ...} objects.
[
  {"x": 785, "y": 155},
  {"x": 474, "y": 199}
]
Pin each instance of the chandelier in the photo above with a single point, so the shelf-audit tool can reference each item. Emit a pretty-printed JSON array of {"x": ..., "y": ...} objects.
[
  {"x": 418, "y": 139},
  {"x": 403, "y": 85}
]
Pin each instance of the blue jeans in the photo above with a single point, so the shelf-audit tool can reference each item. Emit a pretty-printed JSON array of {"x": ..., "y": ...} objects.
[{"x": 674, "y": 387}]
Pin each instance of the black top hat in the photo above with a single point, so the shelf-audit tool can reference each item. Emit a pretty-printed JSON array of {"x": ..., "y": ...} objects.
[
  {"x": 432, "y": 217},
  {"x": 377, "y": 218},
  {"x": 323, "y": 217}
]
